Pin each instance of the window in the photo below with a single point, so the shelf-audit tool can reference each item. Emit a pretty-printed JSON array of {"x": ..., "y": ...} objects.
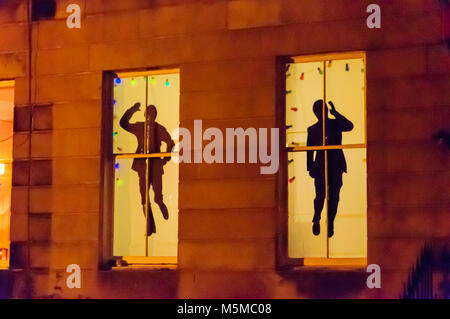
[
  {"x": 6, "y": 146},
  {"x": 145, "y": 213},
  {"x": 323, "y": 197}
]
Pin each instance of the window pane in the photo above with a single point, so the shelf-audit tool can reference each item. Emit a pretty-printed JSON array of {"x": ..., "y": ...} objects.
[
  {"x": 129, "y": 207},
  {"x": 129, "y": 220},
  {"x": 350, "y": 225},
  {"x": 304, "y": 86},
  {"x": 127, "y": 92},
  {"x": 164, "y": 93},
  {"x": 165, "y": 241},
  {"x": 345, "y": 88},
  {"x": 301, "y": 197}
]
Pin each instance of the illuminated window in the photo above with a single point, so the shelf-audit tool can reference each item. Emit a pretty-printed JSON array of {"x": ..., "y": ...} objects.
[
  {"x": 6, "y": 145},
  {"x": 323, "y": 199},
  {"x": 145, "y": 213}
]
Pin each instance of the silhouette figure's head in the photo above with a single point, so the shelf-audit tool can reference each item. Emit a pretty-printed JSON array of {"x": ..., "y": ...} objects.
[
  {"x": 151, "y": 113},
  {"x": 318, "y": 108}
]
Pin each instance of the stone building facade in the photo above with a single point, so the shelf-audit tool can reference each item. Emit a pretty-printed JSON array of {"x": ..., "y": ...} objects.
[{"x": 226, "y": 51}]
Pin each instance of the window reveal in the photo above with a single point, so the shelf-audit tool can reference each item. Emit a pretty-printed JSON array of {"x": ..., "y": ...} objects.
[{"x": 325, "y": 177}]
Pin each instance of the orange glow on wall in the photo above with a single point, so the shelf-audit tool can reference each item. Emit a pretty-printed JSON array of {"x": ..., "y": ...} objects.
[{"x": 6, "y": 146}]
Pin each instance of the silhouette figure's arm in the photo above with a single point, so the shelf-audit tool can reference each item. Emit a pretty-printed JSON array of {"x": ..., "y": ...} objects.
[
  {"x": 125, "y": 120},
  {"x": 343, "y": 123}
]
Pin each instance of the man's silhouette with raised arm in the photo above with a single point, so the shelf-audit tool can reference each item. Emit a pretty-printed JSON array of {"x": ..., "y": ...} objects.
[
  {"x": 156, "y": 133},
  {"x": 335, "y": 162}
]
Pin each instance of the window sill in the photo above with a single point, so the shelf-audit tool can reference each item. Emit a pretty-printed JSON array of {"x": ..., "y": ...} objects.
[
  {"x": 335, "y": 262},
  {"x": 145, "y": 263},
  {"x": 145, "y": 267},
  {"x": 326, "y": 265}
]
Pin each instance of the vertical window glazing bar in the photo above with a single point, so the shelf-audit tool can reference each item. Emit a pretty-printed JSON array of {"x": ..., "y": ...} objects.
[
  {"x": 324, "y": 118},
  {"x": 146, "y": 151}
]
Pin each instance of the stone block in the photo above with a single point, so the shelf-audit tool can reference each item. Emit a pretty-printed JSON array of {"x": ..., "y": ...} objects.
[
  {"x": 227, "y": 224},
  {"x": 236, "y": 255},
  {"x": 41, "y": 172},
  {"x": 254, "y": 13},
  {"x": 42, "y": 118}
]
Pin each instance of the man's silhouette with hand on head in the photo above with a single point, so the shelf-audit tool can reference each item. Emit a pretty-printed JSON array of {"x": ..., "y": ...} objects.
[
  {"x": 156, "y": 133},
  {"x": 335, "y": 162}
]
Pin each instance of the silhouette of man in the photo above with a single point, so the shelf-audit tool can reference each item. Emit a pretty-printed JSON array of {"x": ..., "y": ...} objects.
[
  {"x": 335, "y": 162},
  {"x": 156, "y": 133}
]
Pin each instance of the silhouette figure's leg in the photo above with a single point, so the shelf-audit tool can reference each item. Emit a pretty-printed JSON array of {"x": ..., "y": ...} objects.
[
  {"x": 157, "y": 189},
  {"x": 141, "y": 174},
  {"x": 151, "y": 228},
  {"x": 319, "y": 183},
  {"x": 334, "y": 188}
]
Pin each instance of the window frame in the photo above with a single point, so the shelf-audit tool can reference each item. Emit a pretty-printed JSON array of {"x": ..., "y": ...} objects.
[
  {"x": 5, "y": 263},
  {"x": 282, "y": 257},
  {"x": 107, "y": 260}
]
